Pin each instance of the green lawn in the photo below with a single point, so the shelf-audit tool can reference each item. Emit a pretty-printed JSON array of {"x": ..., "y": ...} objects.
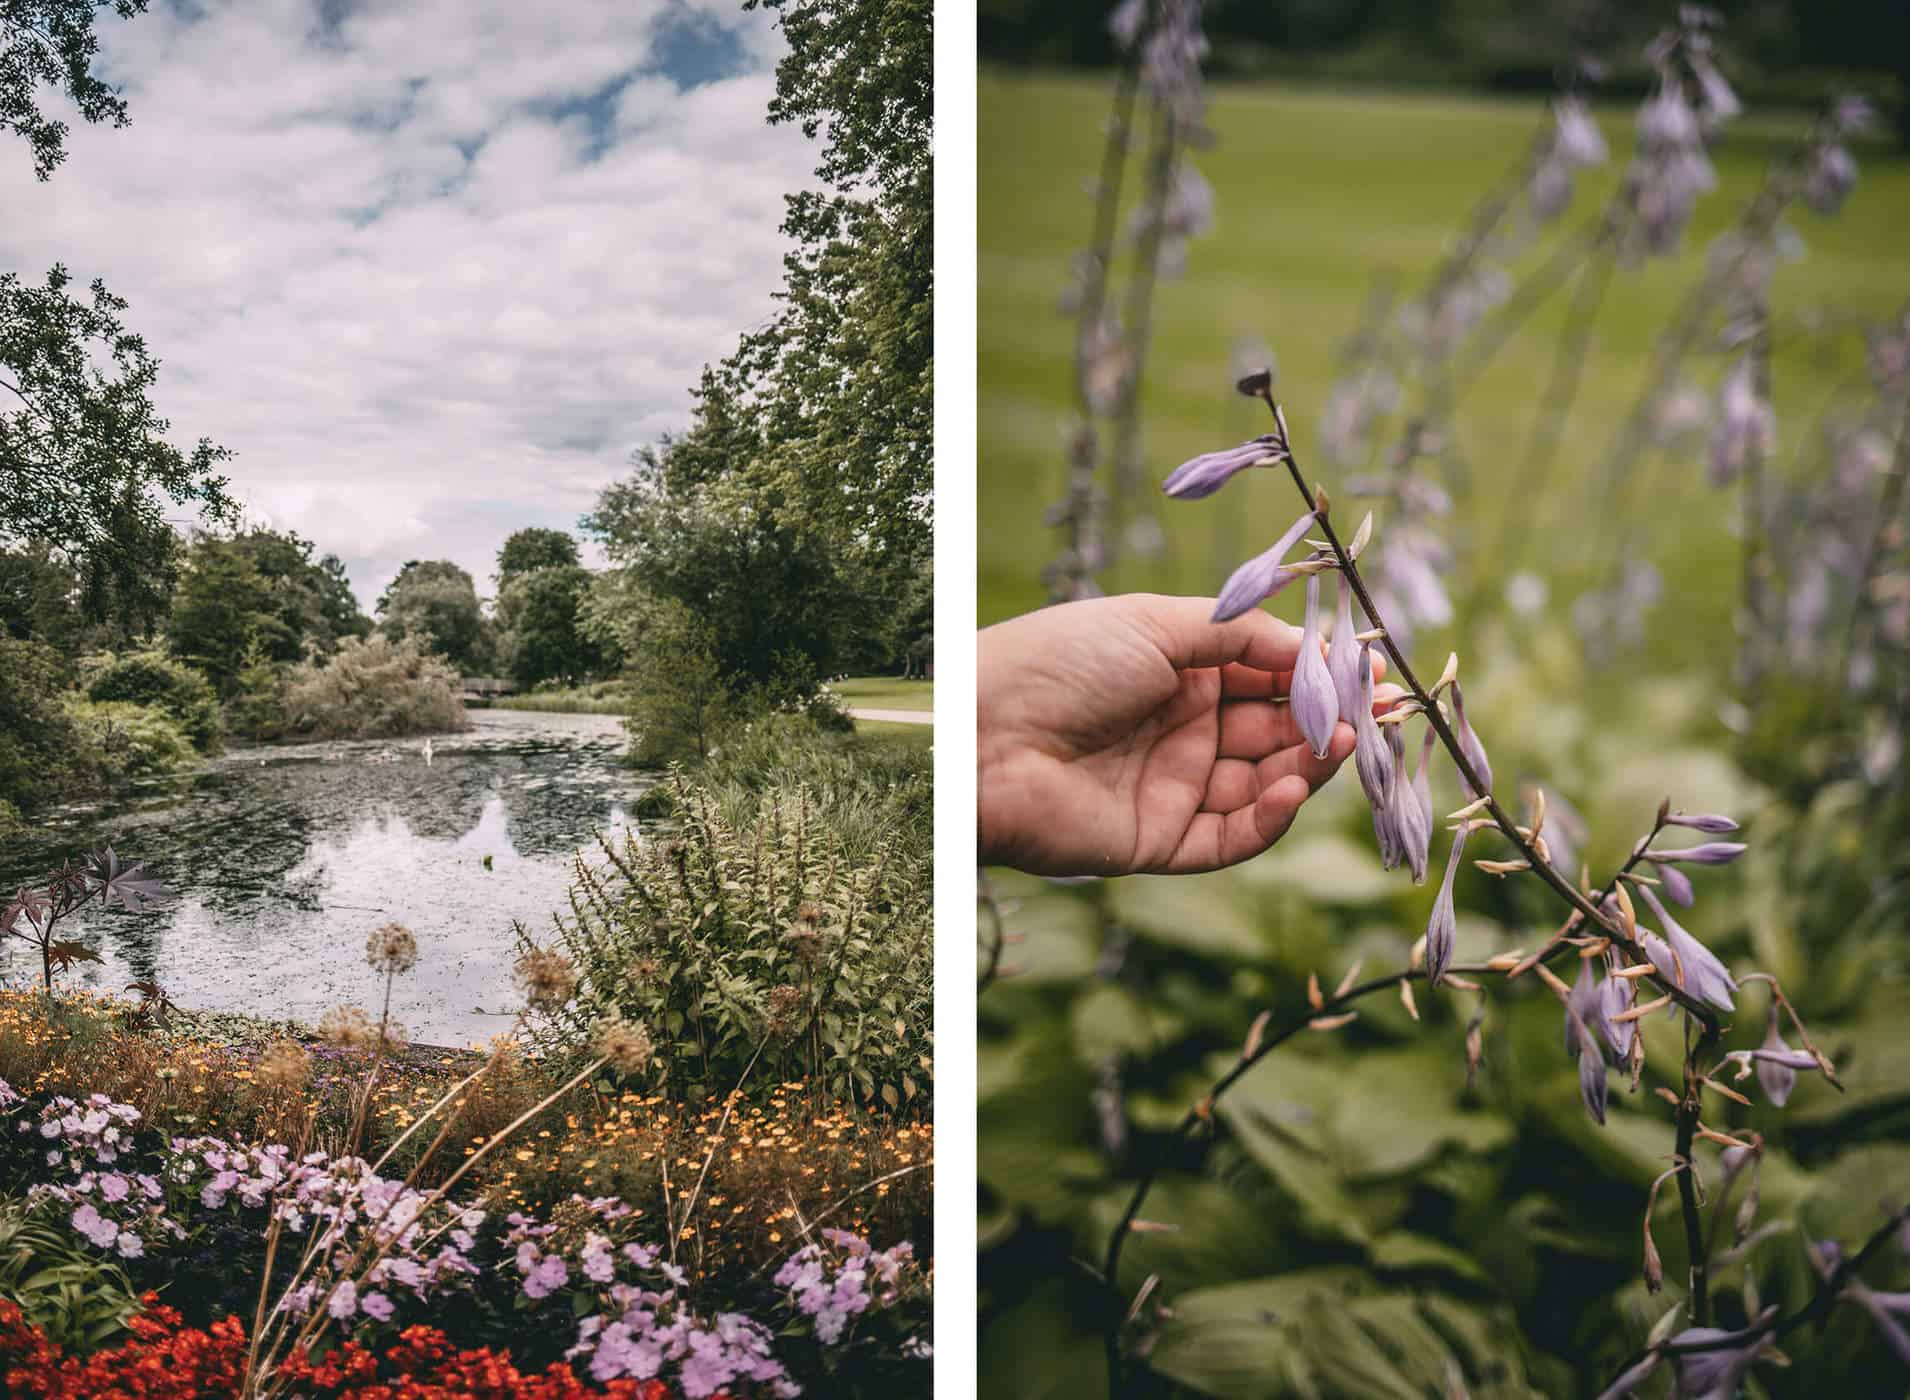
[
  {"x": 1317, "y": 194},
  {"x": 918, "y": 736},
  {"x": 885, "y": 693}
]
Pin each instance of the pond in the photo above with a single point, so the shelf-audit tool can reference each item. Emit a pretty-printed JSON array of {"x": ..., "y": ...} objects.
[{"x": 281, "y": 859}]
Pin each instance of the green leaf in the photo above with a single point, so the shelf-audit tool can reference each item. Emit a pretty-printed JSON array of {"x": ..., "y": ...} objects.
[{"x": 1216, "y": 915}]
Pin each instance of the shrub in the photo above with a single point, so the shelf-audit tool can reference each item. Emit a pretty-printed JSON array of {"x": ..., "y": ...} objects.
[
  {"x": 155, "y": 679},
  {"x": 124, "y": 740},
  {"x": 72, "y": 1296},
  {"x": 40, "y": 754},
  {"x": 722, "y": 938},
  {"x": 872, "y": 796},
  {"x": 375, "y": 689}
]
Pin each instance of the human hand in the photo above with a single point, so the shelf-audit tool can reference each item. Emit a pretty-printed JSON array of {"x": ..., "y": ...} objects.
[{"x": 1130, "y": 734}]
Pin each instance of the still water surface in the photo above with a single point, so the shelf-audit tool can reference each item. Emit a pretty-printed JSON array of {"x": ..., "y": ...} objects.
[{"x": 281, "y": 859}]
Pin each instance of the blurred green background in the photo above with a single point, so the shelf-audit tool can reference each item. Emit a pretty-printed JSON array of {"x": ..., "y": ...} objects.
[{"x": 1359, "y": 1220}]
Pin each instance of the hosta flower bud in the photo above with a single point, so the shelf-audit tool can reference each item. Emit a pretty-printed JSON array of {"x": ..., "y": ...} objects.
[
  {"x": 1579, "y": 1008},
  {"x": 1343, "y": 654},
  {"x": 1576, "y": 136},
  {"x": 1710, "y": 853},
  {"x": 1615, "y": 996},
  {"x": 1704, "y": 976},
  {"x": 1412, "y": 821},
  {"x": 1316, "y": 707},
  {"x": 1776, "y": 1064},
  {"x": 1830, "y": 179},
  {"x": 1442, "y": 931},
  {"x": 1710, "y": 824},
  {"x": 1592, "y": 1084},
  {"x": 1203, "y": 475},
  {"x": 1373, "y": 761},
  {"x": 1261, "y": 576},
  {"x": 1717, "y": 1373},
  {"x": 1677, "y": 885},
  {"x": 1469, "y": 744}
]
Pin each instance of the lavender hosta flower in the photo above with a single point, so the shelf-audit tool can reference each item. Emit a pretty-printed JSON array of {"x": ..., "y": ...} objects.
[
  {"x": 1888, "y": 1312},
  {"x": 1677, "y": 885},
  {"x": 1201, "y": 476},
  {"x": 1411, "y": 824},
  {"x": 1442, "y": 931},
  {"x": 1708, "y": 822},
  {"x": 1615, "y": 997},
  {"x": 1469, "y": 745},
  {"x": 1575, "y": 135},
  {"x": 1684, "y": 961},
  {"x": 1343, "y": 654},
  {"x": 1580, "y": 1007},
  {"x": 1126, "y": 21},
  {"x": 1746, "y": 424},
  {"x": 1717, "y": 1372},
  {"x": 1373, "y": 761},
  {"x": 1776, "y": 1064},
  {"x": 1710, "y": 853},
  {"x": 1592, "y": 1082},
  {"x": 1261, "y": 577},
  {"x": 1315, "y": 703},
  {"x": 1830, "y": 179}
]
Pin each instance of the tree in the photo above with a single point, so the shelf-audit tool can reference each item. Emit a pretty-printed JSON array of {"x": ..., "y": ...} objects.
[
  {"x": 224, "y": 609},
  {"x": 534, "y": 548},
  {"x": 312, "y": 599},
  {"x": 85, "y": 464},
  {"x": 51, "y": 43},
  {"x": 436, "y": 602},
  {"x": 539, "y": 620}
]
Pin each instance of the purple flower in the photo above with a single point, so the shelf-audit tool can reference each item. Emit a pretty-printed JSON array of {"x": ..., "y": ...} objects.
[
  {"x": 1580, "y": 1007},
  {"x": 344, "y": 1300},
  {"x": 1615, "y": 996},
  {"x": 1677, "y": 885},
  {"x": 1710, "y": 853},
  {"x": 1442, "y": 930},
  {"x": 1885, "y": 1309},
  {"x": 1703, "y": 976},
  {"x": 1343, "y": 654},
  {"x": 550, "y": 1274},
  {"x": 1316, "y": 708},
  {"x": 1576, "y": 136},
  {"x": 1372, "y": 760},
  {"x": 1203, "y": 475},
  {"x": 1469, "y": 745},
  {"x": 1412, "y": 819},
  {"x": 1776, "y": 1064},
  {"x": 1261, "y": 576},
  {"x": 1710, "y": 824},
  {"x": 1591, "y": 1070},
  {"x": 1830, "y": 179},
  {"x": 376, "y": 1306},
  {"x": 1716, "y": 1373}
]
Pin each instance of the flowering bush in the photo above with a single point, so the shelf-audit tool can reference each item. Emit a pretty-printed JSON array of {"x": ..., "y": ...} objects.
[{"x": 614, "y": 1305}]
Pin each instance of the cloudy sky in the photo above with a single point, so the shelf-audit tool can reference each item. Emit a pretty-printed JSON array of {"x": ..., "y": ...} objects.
[{"x": 431, "y": 268}]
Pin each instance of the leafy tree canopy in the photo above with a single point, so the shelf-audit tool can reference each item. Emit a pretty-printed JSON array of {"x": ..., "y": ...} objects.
[
  {"x": 436, "y": 602},
  {"x": 534, "y": 548},
  {"x": 52, "y": 43},
  {"x": 538, "y": 613}
]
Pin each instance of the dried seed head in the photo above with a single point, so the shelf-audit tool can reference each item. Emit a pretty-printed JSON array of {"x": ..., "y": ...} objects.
[
  {"x": 809, "y": 912},
  {"x": 625, "y": 1046},
  {"x": 547, "y": 977},
  {"x": 785, "y": 1010},
  {"x": 391, "y": 949},
  {"x": 347, "y": 1028},
  {"x": 284, "y": 1065}
]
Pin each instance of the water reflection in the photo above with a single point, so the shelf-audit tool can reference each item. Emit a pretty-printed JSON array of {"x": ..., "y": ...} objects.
[{"x": 282, "y": 859}]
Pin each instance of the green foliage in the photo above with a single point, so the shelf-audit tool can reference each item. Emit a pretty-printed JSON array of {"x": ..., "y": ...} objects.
[
  {"x": 123, "y": 740},
  {"x": 51, "y": 43},
  {"x": 538, "y": 616},
  {"x": 874, "y": 797},
  {"x": 73, "y": 1294},
  {"x": 90, "y": 464},
  {"x": 223, "y": 608},
  {"x": 309, "y": 605},
  {"x": 435, "y": 602},
  {"x": 152, "y": 677},
  {"x": 39, "y": 750},
  {"x": 374, "y": 688},
  {"x": 680, "y": 701},
  {"x": 256, "y": 709},
  {"x": 720, "y": 939},
  {"x": 535, "y": 548}
]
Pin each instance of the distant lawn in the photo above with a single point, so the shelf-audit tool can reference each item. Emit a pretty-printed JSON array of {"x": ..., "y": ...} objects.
[
  {"x": 920, "y": 736},
  {"x": 885, "y": 693},
  {"x": 603, "y": 698}
]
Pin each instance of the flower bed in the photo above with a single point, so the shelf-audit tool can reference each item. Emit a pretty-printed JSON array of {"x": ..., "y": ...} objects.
[{"x": 320, "y": 1247}]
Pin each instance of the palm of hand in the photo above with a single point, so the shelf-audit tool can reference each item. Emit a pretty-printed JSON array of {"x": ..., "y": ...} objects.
[{"x": 1123, "y": 761}]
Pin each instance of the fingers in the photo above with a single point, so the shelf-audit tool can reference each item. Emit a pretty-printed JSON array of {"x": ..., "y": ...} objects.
[
  {"x": 1252, "y": 730},
  {"x": 1184, "y": 631},
  {"x": 1217, "y": 839}
]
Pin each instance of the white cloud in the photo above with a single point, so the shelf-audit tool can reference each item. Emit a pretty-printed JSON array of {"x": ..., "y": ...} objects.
[{"x": 430, "y": 269}]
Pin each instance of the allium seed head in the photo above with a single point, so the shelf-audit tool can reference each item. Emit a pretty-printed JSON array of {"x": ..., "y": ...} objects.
[
  {"x": 284, "y": 1065},
  {"x": 547, "y": 978},
  {"x": 347, "y": 1028},
  {"x": 391, "y": 949},
  {"x": 625, "y": 1046}
]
